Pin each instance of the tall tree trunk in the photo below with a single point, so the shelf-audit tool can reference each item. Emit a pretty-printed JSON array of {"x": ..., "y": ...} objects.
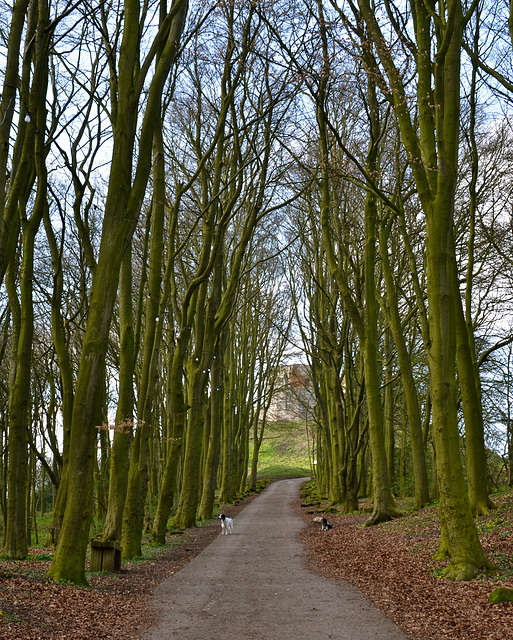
[
  {"x": 122, "y": 209},
  {"x": 198, "y": 378},
  {"x": 468, "y": 368},
  {"x": 407, "y": 379},
  {"x": 19, "y": 389},
  {"x": 459, "y": 539},
  {"x": 139, "y": 472},
  {"x": 16, "y": 543},
  {"x": 434, "y": 161},
  {"x": 189, "y": 496},
  {"x": 384, "y": 507},
  {"x": 214, "y": 345},
  {"x": 123, "y": 428}
]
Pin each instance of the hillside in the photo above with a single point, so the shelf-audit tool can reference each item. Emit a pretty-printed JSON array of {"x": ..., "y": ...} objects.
[{"x": 285, "y": 451}]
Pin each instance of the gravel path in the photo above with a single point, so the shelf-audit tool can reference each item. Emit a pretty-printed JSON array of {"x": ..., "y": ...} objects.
[{"x": 254, "y": 584}]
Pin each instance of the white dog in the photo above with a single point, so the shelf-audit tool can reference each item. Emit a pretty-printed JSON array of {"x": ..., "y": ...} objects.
[{"x": 226, "y": 524}]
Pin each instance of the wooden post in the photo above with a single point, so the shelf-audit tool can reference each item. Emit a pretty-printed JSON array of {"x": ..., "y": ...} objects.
[{"x": 105, "y": 555}]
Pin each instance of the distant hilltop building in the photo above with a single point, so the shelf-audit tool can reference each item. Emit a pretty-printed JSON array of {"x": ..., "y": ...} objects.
[{"x": 293, "y": 397}]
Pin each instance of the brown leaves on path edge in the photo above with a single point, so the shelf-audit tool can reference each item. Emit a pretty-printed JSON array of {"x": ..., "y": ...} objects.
[
  {"x": 392, "y": 564},
  {"x": 114, "y": 608}
]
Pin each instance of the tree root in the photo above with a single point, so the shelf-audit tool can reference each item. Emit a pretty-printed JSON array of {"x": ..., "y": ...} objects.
[
  {"x": 382, "y": 516},
  {"x": 484, "y": 509},
  {"x": 468, "y": 571},
  {"x": 442, "y": 553}
]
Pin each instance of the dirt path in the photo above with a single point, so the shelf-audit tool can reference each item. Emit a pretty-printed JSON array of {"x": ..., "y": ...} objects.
[{"x": 254, "y": 584}]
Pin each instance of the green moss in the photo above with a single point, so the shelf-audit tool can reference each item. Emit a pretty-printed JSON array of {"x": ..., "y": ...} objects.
[
  {"x": 460, "y": 571},
  {"x": 468, "y": 571},
  {"x": 501, "y": 594}
]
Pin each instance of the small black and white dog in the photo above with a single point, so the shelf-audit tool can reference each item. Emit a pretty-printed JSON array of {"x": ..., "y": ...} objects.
[
  {"x": 226, "y": 524},
  {"x": 325, "y": 524}
]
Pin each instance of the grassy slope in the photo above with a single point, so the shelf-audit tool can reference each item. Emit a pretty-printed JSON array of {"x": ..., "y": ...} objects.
[{"x": 284, "y": 451}]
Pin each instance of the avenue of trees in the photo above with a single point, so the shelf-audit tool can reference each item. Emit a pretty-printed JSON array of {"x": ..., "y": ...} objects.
[{"x": 193, "y": 192}]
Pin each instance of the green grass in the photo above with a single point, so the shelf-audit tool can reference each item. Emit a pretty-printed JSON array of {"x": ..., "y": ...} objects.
[
  {"x": 43, "y": 529},
  {"x": 284, "y": 451}
]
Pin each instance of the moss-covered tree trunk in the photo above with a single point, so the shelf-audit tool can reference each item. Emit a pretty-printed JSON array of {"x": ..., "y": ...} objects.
[
  {"x": 384, "y": 507},
  {"x": 465, "y": 551},
  {"x": 19, "y": 388},
  {"x": 199, "y": 367},
  {"x": 191, "y": 478},
  {"x": 434, "y": 163},
  {"x": 407, "y": 378},
  {"x": 214, "y": 348},
  {"x": 122, "y": 209},
  {"x": 135, "y": 501},
  {"x": 16, "y": 538},
  {"x": 468, "y": 366},
  {"x": 193, "y": 311},
  {"x": 189, "y": 412},
  {"x": 213, "y": 450},
  {"x": 325, "y": 375},
  {"x": 180, "y": 396},
  {"x": 139, "y": 471},
  {"x": 177, "y": 411},
  {"x": 123, "y": 428},
  {"x": 463, "y": 545},
  {"x": 8, "y": 223}
]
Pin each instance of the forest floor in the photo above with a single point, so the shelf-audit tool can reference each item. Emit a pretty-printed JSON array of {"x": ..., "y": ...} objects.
[{"x": 390, "y": 563}]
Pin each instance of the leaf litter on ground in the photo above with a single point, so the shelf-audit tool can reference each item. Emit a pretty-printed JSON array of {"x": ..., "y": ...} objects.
[{"x": 391, "y": 563}]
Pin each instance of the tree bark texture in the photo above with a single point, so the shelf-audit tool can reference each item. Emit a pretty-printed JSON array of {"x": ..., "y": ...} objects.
[{"x": 123, "y": 205}]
